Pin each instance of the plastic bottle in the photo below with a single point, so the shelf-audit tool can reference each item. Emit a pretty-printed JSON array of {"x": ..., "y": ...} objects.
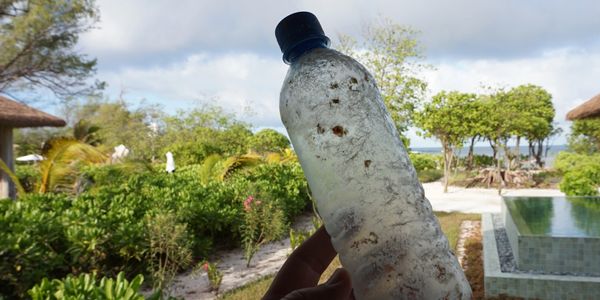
[{"x": 365, "y": 186}]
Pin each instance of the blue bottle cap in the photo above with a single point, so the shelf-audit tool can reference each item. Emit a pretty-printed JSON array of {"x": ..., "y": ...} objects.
[{"x": 298, "y": 33}]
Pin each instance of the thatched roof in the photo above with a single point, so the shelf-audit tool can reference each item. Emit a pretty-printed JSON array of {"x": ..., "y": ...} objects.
[
  {"x": 14, "y": 114},
  {"x": 588, "y": 109}
]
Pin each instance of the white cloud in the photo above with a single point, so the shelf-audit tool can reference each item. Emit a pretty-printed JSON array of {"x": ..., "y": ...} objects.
[
  {"x": 460, "y": 28},
  {"x": 241, "y": 81},
  {"x": 237, "y": 82}
]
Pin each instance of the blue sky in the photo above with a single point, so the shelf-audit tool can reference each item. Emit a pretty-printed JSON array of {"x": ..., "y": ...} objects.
[{"x": 183, "y": 53}]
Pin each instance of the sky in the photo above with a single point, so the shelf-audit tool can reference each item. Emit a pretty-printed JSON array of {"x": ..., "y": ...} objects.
[{"x": 184, "y": 53}]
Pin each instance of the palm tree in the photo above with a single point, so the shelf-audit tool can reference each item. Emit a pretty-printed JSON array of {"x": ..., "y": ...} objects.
[
  {"x": 216, "y": 167},
  {"x": 64, "y": 158}
]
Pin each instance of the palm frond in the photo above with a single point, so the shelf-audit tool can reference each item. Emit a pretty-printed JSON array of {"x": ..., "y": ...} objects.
[
  {"x": 13, "y": 177},
  {"x": 237, "y": 162},
  {"x": 64, "y": 159},
  {"x": 208, "y": 170}
]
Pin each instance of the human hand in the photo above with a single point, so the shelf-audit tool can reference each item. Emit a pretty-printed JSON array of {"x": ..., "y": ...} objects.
[{"x": 298, "y": 277}]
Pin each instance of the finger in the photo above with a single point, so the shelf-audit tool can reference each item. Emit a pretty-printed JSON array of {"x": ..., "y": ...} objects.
[
  {"x": 304, "y": 266},
  {"x": 338, "y": 287}
]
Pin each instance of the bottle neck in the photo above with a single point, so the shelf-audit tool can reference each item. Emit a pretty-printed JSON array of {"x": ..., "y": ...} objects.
[{"x": 304, "y": 47}]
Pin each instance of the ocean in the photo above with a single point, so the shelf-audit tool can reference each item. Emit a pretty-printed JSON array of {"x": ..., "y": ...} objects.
[{"x": 487, "y": 150}]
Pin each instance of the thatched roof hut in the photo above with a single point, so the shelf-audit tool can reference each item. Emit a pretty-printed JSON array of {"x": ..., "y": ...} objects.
[
  {"x": 17, "y": 115},
  {"x": 588, "y": 109}
]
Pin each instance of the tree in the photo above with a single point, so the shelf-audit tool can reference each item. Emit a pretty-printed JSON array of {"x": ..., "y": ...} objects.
[
  {"x": 119, "y": 123},
  {"x": 392, "y": 54},
  {"x": 534, "y": 114},
  {"x": 585, "y": 136},
  {"x": 476, "y": 116},
  {"x": 442, "y": 118},
  {"x": 496, "y": 126},
  {"x": 37, "y": 45},
  {"x": 194, "y": 135},
  {"x": 268, "y": 140}
]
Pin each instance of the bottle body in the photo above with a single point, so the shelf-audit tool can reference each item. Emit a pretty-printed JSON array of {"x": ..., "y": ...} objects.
[{"x": 365, "y": 186}]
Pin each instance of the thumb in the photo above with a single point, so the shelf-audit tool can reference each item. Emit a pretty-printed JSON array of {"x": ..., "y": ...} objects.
[{"x": 339, "y": 286}]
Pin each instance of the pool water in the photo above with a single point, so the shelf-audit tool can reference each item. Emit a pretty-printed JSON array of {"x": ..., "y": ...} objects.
[{"x": 556, "y": 216}]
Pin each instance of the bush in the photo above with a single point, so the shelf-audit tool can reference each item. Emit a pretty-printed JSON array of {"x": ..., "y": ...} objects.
[
  {"x": 430, "y": 175},
  {"x": 581, "y": 182},
  {"x": 581, "y": 173},
  {"x": 169, "y": 249},
  {"x": 425, "y": 161},
  {"x": 282, "y": 183},
  {"x": 263, "y": 223},
  {"x": 28, "y": 175},
  {"x": 547, "y": 178},
  {"x": 104, "y": 229},
  {"x": 33, "y": 243},
  {"x": 85, "y": 286},
  {"x": 482, "y": 161}
]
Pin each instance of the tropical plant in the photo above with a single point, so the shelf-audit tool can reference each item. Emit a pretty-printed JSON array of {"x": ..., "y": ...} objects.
[
  {"x": 263, "y": 223},
  {"x": 64, "y": 158},
  {"x": 214, "y": 275},
  {"x": 168, "y": 249},
  {"x": 86, "y": 286},
  {"x": 33, "y": 244},
  {"x": 13, "y": 177}
]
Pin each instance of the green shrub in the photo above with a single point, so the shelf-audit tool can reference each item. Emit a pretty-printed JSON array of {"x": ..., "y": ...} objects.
[
  {"x": 32, "y": 242},
  {"x": 28, "y": 175},
  {"x": 103, "y": 229},
  {"x": 169, "y": 249},
  {"x": 430, "y": 175},
  {"x": 263, "y": 223},
  {"x": 581, "y": 173},
  {"x": 547, "y": 178},
  {"x": 425, "y": 161},
  {"x": 86, "y": 286},
  {"x": 482, "y": 161},
  {"x": 282, "y": 183},
  {"x": 581, "y": 182}
]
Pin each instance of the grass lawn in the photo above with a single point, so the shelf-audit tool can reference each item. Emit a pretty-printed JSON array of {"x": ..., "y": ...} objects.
[{"x": 450, "y": 223}]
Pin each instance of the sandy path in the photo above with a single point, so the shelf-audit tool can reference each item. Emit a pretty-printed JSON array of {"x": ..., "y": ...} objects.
[
  {"x": 475, "y": 200},
  {"x": 270, "y": 258},
  {"x": 232, "y": 264}
]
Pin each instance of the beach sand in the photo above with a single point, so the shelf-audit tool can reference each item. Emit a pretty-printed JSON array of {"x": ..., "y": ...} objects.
[{"x": 475, "y": 200}]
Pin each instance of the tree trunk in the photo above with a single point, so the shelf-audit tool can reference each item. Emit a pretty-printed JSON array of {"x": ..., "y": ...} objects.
[
  {"x": 518, "y": 157},
  {"x": 506, "y": 151},
  {"x": 470, "y": 155},
  {"x": 540, "y": 151},
  {"x": 447, "y": 164},
  {"x": 499, "y": 172},
  {"x": 495, "y": 151},
  {"x": 530, "y": 150}
]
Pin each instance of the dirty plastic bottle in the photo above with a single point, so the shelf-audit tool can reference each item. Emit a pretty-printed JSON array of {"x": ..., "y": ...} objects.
[{"x": 365, "y": 186}]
